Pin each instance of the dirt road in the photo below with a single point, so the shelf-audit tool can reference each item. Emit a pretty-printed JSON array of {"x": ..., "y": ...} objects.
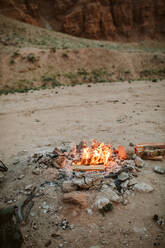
[{"x": 118, "y": 113}]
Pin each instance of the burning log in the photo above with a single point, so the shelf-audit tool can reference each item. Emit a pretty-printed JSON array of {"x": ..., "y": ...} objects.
[
  {"x": 151, "y": 151},
  {"x": 88, "y": 167}
]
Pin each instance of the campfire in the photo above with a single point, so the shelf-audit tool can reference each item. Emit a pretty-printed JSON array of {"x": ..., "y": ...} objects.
[{"x": 98, "y": 156}]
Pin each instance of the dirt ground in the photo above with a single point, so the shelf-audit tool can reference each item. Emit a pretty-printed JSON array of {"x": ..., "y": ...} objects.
[{"x": 117, "y": 113}]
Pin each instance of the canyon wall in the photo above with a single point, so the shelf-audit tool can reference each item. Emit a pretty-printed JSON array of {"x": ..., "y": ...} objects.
[{"x": 117, "y": 20}]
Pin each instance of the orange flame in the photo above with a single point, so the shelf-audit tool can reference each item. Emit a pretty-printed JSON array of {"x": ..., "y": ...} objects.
[{"x": 99, "y": 153}]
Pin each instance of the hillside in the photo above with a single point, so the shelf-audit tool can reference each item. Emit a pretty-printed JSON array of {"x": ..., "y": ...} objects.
[
  {"x": 115, "y": 20},
  {"x": 33, "y": 58}
]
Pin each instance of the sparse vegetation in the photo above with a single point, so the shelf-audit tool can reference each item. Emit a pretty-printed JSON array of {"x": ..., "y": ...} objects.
[
  {"x": 41, "y": 42},
  {"x": 53, "y": 49},
  {"x": 50, "y": 81},
  {"x": 158, "y": 72},
  {"x": 65, "y": 55},
  {"x": 32, "y": 58}
]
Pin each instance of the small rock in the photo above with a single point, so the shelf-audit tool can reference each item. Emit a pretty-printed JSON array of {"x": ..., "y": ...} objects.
[
  {"x": 130, "y": 152},
  {"x": 75, "y": 213},
  {"x": 65, "y": 224},
  {"x": 103, "y": 204},
  {"x": 89, "y": 211},
  {"x": 10, "y": 202},
  {"x": 45, "y": 211},
  {"x": 123, "y": 176},
  {"x": 139, "y": 229},
  {"x": 36, "y": 172},
  {"x": 56, "y": 235},
  {"x": 21, "y": 176},
  {"x": 125, "y": 202},
  {"x": 76, "y": 198},
  {"x": 110, "y": 194},
  {"x": 143, "y": 187},
  {"x": 159, "y": 170},
  {"x": 29, "y": 187},
  {"x": 104, "y": 187},
  {"x": 132, "y": 182},
  {"x": 88, "y": 181},
  {"x": 32, "y": 214},
  {"x": 16, "y": 161},
  {"x": 45, "y": 206},
  {"x": 139, "y": 162},
  {"x": 2, "y": 176},
  {"x": 124, "y": 185}
]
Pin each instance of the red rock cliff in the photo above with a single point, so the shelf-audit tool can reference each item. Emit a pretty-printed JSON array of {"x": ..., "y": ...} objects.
[{"x": 96, "y": 19}]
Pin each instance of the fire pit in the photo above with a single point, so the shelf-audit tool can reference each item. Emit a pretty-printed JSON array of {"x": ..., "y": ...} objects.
[
  {"x": 97, "y": 157},
  {"x": 107, "y": 173}
]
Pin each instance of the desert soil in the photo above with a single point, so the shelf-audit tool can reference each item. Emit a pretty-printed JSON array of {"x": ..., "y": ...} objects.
[{"x": 117, "y": 113}]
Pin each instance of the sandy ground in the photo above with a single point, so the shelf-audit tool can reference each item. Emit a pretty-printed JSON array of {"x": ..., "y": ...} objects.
[{"x": 118, "y": 113}]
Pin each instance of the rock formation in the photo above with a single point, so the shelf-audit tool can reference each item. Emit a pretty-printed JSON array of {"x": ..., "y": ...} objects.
[{"x": 96, "y": 19}]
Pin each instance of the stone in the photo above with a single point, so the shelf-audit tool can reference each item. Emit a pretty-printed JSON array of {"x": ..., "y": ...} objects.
[
  {"x": 125, "y": 202},
  {"x": 36, "y": 171},
  {"x": 51, "y": 174},
  {"x": 80, "y": 183},
  {"x": 2, "y": 176},
  {"x": 123, "y": 176},
  {"x": 45, "y": 206},
  {"x": 159, "y": 170},
  {"x": 29, "y": 187},
  {"x": 88, "y": 180},
  {"x": 21, "y": 177},
  {"x": 101, "y": 201},
  {"x": 132, "y": 182},
  {"x": 139, "y": 162},
  {"x": 139, "y": 229},
  {"x": 68, "y": 186},
  {"x": 16, "y": 161},
  {"x": 124, "y": 185},
  {"x": 143, "y": 187},
  {"x": 130, "y": 152},
  {"x": 111, "y": 195},
  {"x": 89, "y": 211},
  {"x": 76, "y": 198}
]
